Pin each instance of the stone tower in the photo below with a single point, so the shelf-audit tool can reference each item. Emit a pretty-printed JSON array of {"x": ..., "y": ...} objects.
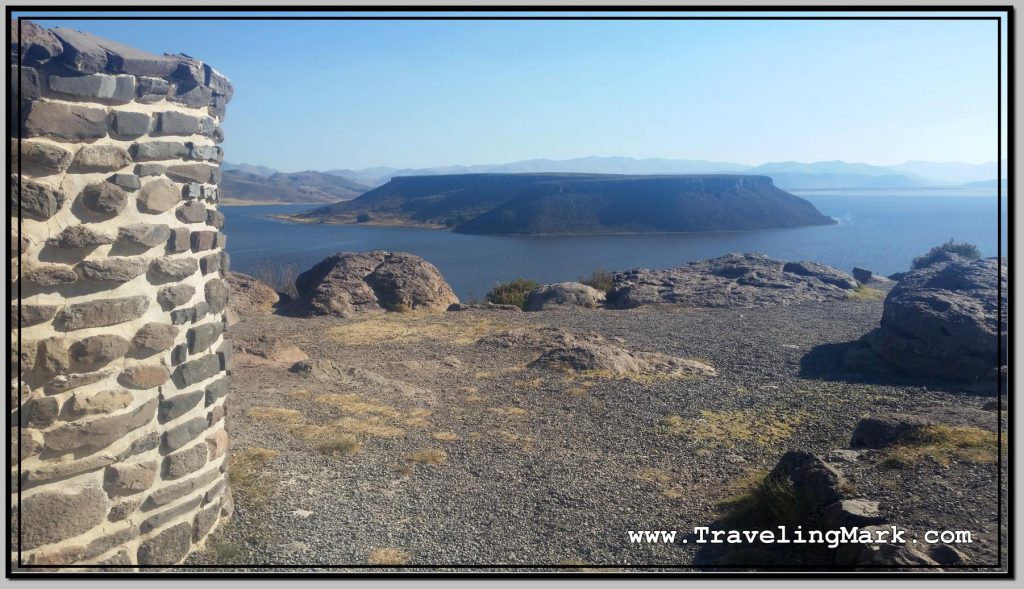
[{"x": 119, "y": 364}]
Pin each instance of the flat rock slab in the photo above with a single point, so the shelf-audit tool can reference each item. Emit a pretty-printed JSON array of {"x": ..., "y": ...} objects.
[{"x": 734, "y": 280}]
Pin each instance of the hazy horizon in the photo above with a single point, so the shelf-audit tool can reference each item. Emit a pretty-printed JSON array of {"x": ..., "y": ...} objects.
[{"x": 420, "y": 94}]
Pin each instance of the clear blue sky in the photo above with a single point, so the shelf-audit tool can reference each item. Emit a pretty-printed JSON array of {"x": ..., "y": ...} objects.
[{"x": 344, "y": 94}]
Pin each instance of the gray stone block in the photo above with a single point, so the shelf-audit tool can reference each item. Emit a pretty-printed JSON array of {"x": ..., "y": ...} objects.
[
  {"x": 116, "y": 269},
  {"x": 158, "y": 196},
  {"x": 101, "y": 313},
  {"x": 168, "y": 547},
  {"x": 100, "y": 432},
  {"x": 129, "y": 478},
  {"x": 175, "y": 295},
  {"x": 179, "y": 268},
  {"x": 161, "y": 518},
  {"x": 150, "y": 90},
  {"x": 191, "y": 212},
  {"x": 101, "y": 86},
  {"x": 27, "y": 85},
  {"x": 176, "y": 123},
  {"x": 51, "y": 516},
  {"x": 63, "y": 121},
  {"x": 179, "y": 240},
  {"x": 178, "y": 405},
  {"x": 79, "y": 236},
  {"x": 150, "y": 169},
  {"x": 45, "y": 158},
  {"x": 185, "y": 462},
  {"x": 217, "y": 389},
  {"x": 158, "y": 150},
  {"x": 96, "y": 351},
  {"x": 201, "y": 173},
  {"x": 81, "y": 51},
  {"x": 129, "y": 182},
  {"x": 196, "y": 371},
  {"x": 154, "y": 337},
  {"x": 182, "y": 434},
  {"x": 36, "y": 200},
  {"x": 203, "y": 240},
  {"x": 130, "y": 124},
  {"x": 144, "y": 235},
  {"x": 217, "y": 293},
  {"x": 103, "y": 199},
  {"x": 100, "y": 158},
  {"x": 201, "y": 337}
]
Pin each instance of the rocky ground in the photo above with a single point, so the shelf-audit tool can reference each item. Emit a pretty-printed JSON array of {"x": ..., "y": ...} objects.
[{"x": 405, "y": 439}]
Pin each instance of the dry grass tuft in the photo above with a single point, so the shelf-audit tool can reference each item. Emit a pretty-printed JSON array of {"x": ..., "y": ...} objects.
[
  {"x": 383, "y": 556},
  {"x": 508, "y": 411},
  {"x": 326, "y": 439},
  {"x": 758, "y": 500},
  {"x": 428, "y": 456},
  {"x": 299, "y": 395},
  {"x": 352, "y": 403},
  {"x": 248, "y": 476},
  {"x": 370, "y": 426},
  {"x": 533, "y": 383},
  {"x": 445, "y": 436},
  {"x": 274, "y": 414},
  {"x": 725, "y": 428},
  {"x": 654, "y": 476},
  {"x": 408, "y": 328},
  {"x": 866, "y": 293},
  {"x": 945, "y": 444}
]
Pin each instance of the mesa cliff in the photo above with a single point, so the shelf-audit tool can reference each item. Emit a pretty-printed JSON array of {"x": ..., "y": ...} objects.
[{"x": 540, "y": 204}]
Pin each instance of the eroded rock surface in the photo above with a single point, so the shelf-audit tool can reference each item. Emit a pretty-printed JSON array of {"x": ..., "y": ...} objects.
[
  {"x": 940, "y": 321},
  {"x": 591, "y": 352},
  {"x": 733, "y": 280}
]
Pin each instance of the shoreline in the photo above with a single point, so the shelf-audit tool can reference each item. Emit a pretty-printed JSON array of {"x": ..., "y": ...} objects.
[{"x": 304, "y": 221}]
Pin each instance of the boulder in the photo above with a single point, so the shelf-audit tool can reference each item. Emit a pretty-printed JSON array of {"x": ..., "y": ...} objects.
[
  {"x": 249, "y": 295},
  {"x": 349, "y": 284},
  {"x": 273, "y": 349},
  {"x": 940, "y": 321},
  {"x": 815, "y": 483},
  {"x": 561, "y": 294},
  {"x": 733, "y": 280}
]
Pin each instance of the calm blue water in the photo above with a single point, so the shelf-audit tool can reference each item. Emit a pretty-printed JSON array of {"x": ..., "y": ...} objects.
[{"x": 882, "y": 231}]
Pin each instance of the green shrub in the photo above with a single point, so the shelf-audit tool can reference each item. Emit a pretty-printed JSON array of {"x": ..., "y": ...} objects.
[
  {"x": 600, "y": 279},
  {"x": 362, "y": 218},
  {"x": 512, "y": 293},
  {"x": 960, "y": 248}
]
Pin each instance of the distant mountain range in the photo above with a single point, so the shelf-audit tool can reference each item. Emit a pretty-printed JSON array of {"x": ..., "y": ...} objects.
[
  {"x": 240, "y": 187},
  {"x": 316, "y": 186},
  {"x": 547, "y": 204}
]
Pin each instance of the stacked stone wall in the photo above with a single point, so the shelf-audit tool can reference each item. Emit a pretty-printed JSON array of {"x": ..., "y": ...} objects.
[{"x": 120, "y": 361}]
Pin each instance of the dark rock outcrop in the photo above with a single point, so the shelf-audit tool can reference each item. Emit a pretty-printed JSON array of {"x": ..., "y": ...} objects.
[
  {"x": 348, "y": 284},
  {"x": 941, "y": 322},
  {"x": 733, "y": 280}
]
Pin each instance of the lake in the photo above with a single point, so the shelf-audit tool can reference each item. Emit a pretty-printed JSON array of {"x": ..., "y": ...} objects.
[{"x": 879, "y": 230}]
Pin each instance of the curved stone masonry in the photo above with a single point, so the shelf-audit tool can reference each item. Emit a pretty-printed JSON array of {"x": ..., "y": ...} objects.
[{"x": 123, "y": 356}]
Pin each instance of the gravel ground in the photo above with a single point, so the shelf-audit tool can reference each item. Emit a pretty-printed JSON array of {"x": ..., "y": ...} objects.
[{"x": 550, "y": 469}]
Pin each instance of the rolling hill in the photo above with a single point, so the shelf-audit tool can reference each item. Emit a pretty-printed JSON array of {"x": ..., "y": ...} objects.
[{"x": 238, "y": 187}]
